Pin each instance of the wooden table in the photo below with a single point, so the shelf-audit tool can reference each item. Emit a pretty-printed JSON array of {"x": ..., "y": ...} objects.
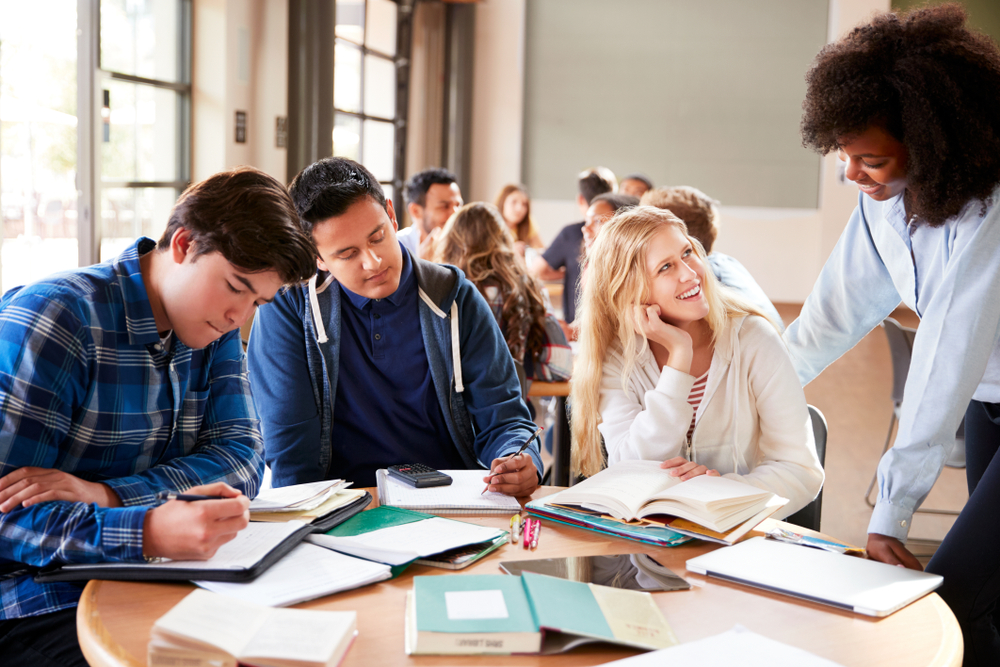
[{"x": 114, "y": 618}]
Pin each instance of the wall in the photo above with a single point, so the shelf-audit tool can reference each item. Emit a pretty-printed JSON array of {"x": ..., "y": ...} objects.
[
  {"x": 240, "y": 62},
  {"x": 802, "y": 238}
]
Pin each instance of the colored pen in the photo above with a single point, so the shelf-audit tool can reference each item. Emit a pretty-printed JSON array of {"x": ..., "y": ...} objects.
[
  {"x": 515, "y": 528},
  {"x": 518, "y": 452},
  {"x": 164, "y": 496},
  {"x": 535, "y": 532},
  {"x": 528, "y": 528}
]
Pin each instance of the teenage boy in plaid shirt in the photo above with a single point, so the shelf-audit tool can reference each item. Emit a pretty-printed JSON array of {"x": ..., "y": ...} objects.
[{"x": 126, "y": 378}]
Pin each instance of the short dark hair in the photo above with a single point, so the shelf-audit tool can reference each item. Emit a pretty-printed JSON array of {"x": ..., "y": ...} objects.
[
  {"x": 247, "y": 217},
  {"x": 329, "y": 187},
  {"x": 642, "y": 178},
  {"x": 698, "y": 211},
  {"x": 932, "y": 84},
  {"x": 416, "y": 188},
  {"x": 596, "y": 181},
  {"x": 616, "y": 200}
]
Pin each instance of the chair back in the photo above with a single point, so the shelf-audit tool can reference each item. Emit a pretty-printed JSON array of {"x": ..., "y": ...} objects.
[
  {"x": 809, "y": 516},
  {"x": 901, "y": 349}
]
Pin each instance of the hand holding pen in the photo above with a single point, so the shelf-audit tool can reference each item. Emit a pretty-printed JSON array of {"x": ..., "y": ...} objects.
[
  {"x": 194, "y": 530},
  {"x": 516, "y": 474}
]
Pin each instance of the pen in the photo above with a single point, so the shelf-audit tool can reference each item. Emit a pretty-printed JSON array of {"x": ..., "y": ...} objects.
[
  {"x": 534, "y": 533},
  {"x": 164, "y": 496},
  {"x": 523, "y": 447},
  {"x": 515, "y": 528},
  {"x": 528, "y": 528}
]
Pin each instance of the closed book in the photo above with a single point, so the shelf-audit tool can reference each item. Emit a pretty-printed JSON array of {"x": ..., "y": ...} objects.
[{"x": 501, "y": 614}]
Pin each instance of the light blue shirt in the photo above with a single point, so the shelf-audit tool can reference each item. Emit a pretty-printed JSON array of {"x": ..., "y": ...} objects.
[
  {"x": 950, "y": 276},
  {"x": 409, "y": 237}
]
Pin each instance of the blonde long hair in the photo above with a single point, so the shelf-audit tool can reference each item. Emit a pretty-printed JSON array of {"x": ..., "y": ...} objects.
[{"x": 616, "y": 280}]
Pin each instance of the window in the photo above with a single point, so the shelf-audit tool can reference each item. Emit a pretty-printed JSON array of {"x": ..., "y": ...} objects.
[
  {"x": 144, "y": 77},
  {"x": 38, "y": 138},
  {"x": 137, "y": 148},
  {"x": 364, "y": 88}
]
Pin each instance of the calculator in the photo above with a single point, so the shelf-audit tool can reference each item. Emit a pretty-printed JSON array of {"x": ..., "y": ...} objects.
[{"x": 419, "y": 475}]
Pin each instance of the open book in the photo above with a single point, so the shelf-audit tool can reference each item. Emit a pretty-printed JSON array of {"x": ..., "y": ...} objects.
[
  {"x": 502, "y": 614},
  {"x": 633, "y": 490},
  {"x": 209, "y": 629}
]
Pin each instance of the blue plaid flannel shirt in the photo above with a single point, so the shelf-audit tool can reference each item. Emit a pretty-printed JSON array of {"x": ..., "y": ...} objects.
[{"x": 86, "y": 388}]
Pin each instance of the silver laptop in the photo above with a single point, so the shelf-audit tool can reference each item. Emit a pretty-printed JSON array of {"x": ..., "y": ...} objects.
[{"x": 862, "y": 586}]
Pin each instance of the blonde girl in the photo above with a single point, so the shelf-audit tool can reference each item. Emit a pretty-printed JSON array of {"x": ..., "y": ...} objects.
[{"x": 674, "y": 367}]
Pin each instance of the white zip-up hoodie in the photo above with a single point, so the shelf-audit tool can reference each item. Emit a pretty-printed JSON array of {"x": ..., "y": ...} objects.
[{"x": 752, "y": 424}]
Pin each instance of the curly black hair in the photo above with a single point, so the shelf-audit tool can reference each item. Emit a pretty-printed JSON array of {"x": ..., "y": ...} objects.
[{"x": 932, "y": 84}]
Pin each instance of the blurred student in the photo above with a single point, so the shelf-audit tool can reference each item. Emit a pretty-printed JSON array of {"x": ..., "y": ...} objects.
[
  {"x": 561, "y": 261},
  {"x": 602, "y": 208},
  {"x": 432, "y": 196},
  {"x": 477, "y": 241},
  {"x": 674, "y": 367},
  {"x": 635, "y": 185},
  {"x": 701, "y": 215},
  {"x": 126, "y": 378},
  {"x": 514, "y": 205}
]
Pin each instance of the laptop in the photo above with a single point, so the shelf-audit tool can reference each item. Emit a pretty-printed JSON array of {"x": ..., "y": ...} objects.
[{"x": 862, "y": 586}]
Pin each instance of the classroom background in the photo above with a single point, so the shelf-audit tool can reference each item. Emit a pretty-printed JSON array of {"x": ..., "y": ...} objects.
[{"x": 109, "y": 108}]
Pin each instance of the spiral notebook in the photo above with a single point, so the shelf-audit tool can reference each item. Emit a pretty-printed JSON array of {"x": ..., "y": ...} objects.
[{"x": 463, "y": 496}]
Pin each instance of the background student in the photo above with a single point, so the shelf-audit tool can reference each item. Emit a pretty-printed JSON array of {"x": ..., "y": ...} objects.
[
  {"x": 126, "y": 378},
  {"x": 910, "y": 103},
  {"x": 675, "y": 368},
  {"x": 477, "y": 241},
  {"x": 514, "y": 205},
  {"x": 432, "y": 195},
  {"x": 561, "y": 261},
  {"x": 602, "y": 208},
  {"x": 383, "y": 358},
  {"x": 635, "y": 185}
]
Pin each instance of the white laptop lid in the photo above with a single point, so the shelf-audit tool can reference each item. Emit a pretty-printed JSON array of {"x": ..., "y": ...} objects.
[{"x": 862, "y": 586}]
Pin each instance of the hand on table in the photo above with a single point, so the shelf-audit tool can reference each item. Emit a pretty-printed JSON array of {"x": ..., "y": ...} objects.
[
  {"x": 514, "y": 476},
  {"x": 184, "y": 530},
  {"x": 681, "y": 467},
  {"x": 30, "y": 485},
  {"x": 890, "y": 550}
]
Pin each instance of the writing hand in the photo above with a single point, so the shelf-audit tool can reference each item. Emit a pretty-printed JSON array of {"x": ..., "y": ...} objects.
[
  {"x": 514, "y": 476},
  {"x": 676, "y": 341},
  {"x": 681, "y": 467},
  {"x": 890, "y": 550},
  {"x": 30, "y": 485},
  {"x": 194, "y": 531}
]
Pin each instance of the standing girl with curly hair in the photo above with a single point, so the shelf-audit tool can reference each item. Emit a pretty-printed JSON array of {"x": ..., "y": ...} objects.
[
  {"x": 673, "y": 367},
  {"x": 912, "y": 104}
]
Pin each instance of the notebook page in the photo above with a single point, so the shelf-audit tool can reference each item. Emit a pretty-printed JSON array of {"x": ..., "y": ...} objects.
[
  {"x": 213, "y": 620},
  {"x": 302, "y": 496},
  {"x": 625, "y": 485},
  {"x": 463, "y": 493},
  {"x": 713, "y": 493},
  {"x": 427, "y": 537},
  {"x": 240, "y": 553},
  {"x": 301, "y": 634},
  {"x": 305, "y": 573}
]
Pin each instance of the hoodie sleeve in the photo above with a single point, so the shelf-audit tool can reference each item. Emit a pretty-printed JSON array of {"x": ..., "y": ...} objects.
[{"x": 492, "y": 392}]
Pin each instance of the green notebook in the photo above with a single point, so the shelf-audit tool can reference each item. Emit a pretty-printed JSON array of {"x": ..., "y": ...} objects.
[
  {"x": 397, "y": 537},
  {"x": 533, "y": 613}
]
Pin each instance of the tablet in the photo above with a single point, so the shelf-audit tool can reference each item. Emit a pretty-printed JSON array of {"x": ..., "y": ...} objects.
[{"x": 637, "y": 572}]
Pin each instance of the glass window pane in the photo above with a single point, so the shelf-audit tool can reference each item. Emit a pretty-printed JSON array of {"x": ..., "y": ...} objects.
[
  {"x": 379, "y": 148},
  {"x": 351, "y": 20},
  {"x": 380, "y": 87},
  {"x": 142, "y": 38},
  {"x": 141, "y": 142},
  {"x": 347, "y": 136},
  {"x": 381, "y": 34},
  {"x": 347, "y": 77},
  {"x": 128, "y": 213},
  {"x": 387, "y": 189},
  {"x": 37, "y": 140}
]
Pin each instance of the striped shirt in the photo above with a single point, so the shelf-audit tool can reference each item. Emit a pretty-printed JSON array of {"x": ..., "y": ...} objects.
[
  {"x": 694, "y": 400},
  {"x": 87, "y": 388}
]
